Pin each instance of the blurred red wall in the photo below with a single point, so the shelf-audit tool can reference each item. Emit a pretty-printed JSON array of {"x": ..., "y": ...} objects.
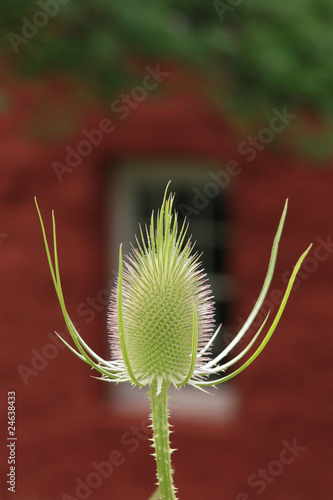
[{"x": 66, "y": 424}]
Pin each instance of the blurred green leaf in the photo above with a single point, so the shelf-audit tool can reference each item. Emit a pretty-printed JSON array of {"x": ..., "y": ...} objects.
[{"x": 280, "y": 52}]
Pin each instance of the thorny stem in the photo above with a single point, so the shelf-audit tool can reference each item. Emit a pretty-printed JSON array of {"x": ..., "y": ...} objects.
[{"x": 161, "y": 440}]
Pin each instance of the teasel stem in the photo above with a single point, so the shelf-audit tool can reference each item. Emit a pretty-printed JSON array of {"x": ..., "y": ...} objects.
[{"x": 161, "y": 440}]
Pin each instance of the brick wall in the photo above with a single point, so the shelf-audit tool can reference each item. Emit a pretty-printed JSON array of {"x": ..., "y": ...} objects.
[{"x": 66, "y": 424}]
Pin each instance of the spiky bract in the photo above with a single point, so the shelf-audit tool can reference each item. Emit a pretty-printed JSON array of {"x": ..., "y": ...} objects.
[
  {"x": 161, "y": 320},
  {"x": 161, "y": 313}
]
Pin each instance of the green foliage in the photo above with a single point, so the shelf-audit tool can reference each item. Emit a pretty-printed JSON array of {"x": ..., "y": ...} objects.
[
  {"x": 268, "y": 52},
  {"x": 285, "y": 51}
]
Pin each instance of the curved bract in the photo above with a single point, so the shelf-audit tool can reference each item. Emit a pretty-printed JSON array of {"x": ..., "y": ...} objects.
[
  {"x": 114, "y": 371},
  {"x": 161, "y": 311},
  {"x": 161, "y": 323}
]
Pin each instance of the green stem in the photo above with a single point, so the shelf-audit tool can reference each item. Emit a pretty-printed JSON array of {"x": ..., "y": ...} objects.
[{"x": 161, "y": 440}]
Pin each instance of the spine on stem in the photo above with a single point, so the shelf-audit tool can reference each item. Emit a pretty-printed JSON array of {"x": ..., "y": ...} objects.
[{"x": 161, "y": 441}]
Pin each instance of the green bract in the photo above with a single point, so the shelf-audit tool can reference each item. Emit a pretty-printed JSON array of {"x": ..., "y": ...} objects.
[
  {"x": 161, "y": 323},
  {"x": 161, "y": 311}
]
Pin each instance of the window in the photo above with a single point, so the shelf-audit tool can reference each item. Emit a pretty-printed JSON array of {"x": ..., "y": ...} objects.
[{"x": 137, "y": 189}]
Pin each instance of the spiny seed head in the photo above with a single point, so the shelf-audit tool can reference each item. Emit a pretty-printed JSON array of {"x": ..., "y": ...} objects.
[
  {"x": 162, "y": 284},
  {"x": 161, "y": 311}
]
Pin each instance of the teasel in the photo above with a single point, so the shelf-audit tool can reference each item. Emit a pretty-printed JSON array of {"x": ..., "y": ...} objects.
[{"x": 161, "y": 322}]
